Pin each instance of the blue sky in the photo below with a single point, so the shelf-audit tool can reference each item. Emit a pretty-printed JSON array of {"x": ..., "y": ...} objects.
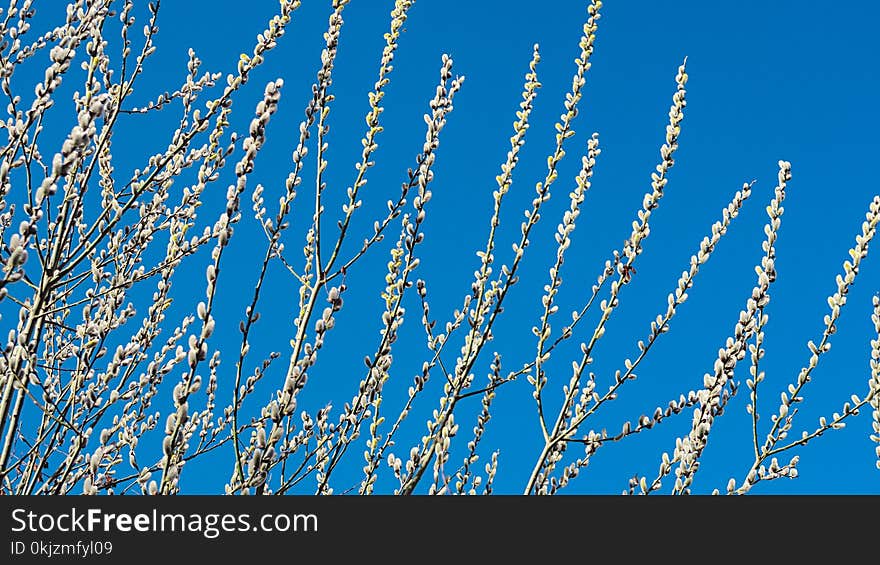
[{"x": 769, "y": 80}]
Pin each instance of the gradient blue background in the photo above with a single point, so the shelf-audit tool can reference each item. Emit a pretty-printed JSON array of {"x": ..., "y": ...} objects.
[{"x": 769, "y": 80}]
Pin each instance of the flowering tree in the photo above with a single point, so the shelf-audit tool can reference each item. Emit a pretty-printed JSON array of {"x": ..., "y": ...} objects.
[{"x": 102, "y": 390}]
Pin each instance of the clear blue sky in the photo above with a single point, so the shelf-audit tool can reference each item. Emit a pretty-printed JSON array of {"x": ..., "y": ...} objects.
[{"x": 769, "y": 80}]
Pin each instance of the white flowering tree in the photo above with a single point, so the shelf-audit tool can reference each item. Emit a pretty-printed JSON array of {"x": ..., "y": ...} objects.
[{"x": 108, "y": 387}]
